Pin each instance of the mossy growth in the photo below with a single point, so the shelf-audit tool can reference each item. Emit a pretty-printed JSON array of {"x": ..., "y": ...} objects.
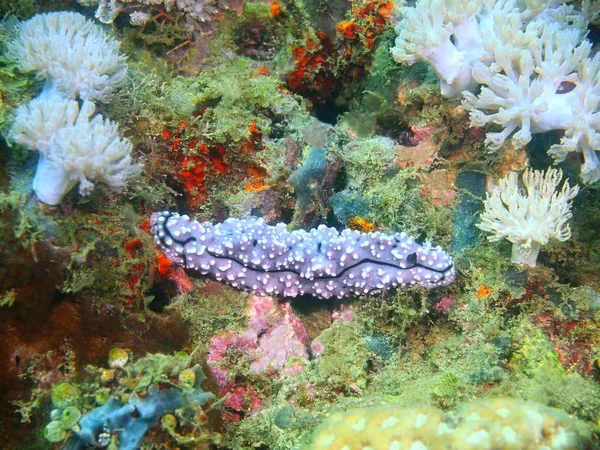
[
  {"x": 366, "y": 160},
  {"x": 379, "y": 107},
  {"x": 15, "y": 87},
  {"x": 489, "y": 272},
  {"x": 137, "y": 375},
  {"x": 534, "y": 353},
  {"x": 258, "y": 34},
  {"x": 392, "y": 194},
  {"x": 105, "y": 265},
  {"x": 343, "y": 363},
  {"x": 441, "y": 368},
  {"x": 279, "y": 427},
  {"x": 446, "y": 389},
  {"x": 207, "y": 314},
  {"x": 540, "y": 376},
  {"x": 25, "y": 9},
  {"x": 8, "y": 298},
  {"x": 40, "y": 399},
  {"x": 220, "y": 105},
  {"x": 577, "y": 261},
  {"x": 234, "y": 96},
  {"x": 394, "y": 200},
  {"x": 393, "y": 314},
  {"x": 397, "y": 205},
  {"x": 22, "y": 10},
  {"x": 160, "y": 35},
  {"x": 22, "y": 223}
]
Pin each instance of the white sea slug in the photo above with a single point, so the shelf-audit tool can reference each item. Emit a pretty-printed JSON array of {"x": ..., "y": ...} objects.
[
  {"x": 74, "y": 55},
  {"x": 74, "y": 147},
  {"x": 529, "y": 219}
]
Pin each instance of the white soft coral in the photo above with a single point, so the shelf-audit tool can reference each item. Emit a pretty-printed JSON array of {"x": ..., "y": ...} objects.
[
  {"x": 74, "y": 145},
  {"x": 446, "y": 35},
  {"x": 523, "y": 88},
  {"x": 548, "y": 84},
  {"x": 74, "y": 55},
  {"x": 583, "y": 126},
  {"x": 529, "y": 219},
  {"x": 531, "y": 59}
]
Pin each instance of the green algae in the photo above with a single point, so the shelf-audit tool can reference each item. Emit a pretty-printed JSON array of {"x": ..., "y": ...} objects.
[
  {"x": 15, "y": 87},
  {"x": 54, "y": 432},
  {"x": 343, "y": 364},
  {"x": 232, "y": 94},
  {"x": 87, "y": 269},
  {"x": 375, "y": 108},
  {"x": 207, "y": 314},
  {"x": 22, "y": 10},
  {"x": 69, "y": 417},
  {"x": 65, "y": 395},
  {"x": 257, "y": 35}
]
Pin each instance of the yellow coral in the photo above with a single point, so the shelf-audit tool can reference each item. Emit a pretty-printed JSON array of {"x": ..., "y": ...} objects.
[{"x": 500, "y": 423}]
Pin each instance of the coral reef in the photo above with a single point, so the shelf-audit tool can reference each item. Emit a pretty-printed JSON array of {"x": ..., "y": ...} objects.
[{"x": 251, "y": 114}]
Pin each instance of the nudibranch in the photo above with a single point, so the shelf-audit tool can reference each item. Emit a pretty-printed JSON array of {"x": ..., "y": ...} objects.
[{"x": 269, "y": 260}]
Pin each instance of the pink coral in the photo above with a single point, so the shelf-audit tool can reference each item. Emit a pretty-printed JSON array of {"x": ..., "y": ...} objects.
[
  {"x": 317, "y": 348},
  {"x": 275, "y": 344},
  {"x": 444, "y": 304},
  {"x": 420, "y": 134},
  {"x": 345, "y": 314}
]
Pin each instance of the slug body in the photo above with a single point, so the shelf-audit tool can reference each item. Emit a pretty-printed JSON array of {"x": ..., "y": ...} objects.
[{"x": 269, "y": 260}]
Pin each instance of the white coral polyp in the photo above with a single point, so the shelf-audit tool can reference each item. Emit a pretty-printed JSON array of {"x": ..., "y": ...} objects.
[
  {"x": 74, "y": 55},
  {"x": 74, "y": 147},
  {"x": 529, "y": 218}
]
